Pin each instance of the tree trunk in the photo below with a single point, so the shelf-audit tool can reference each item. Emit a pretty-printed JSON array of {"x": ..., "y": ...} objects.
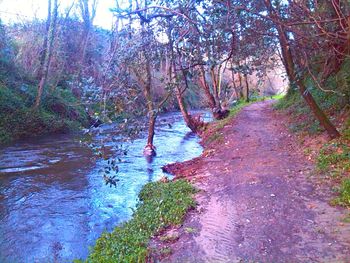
[
  {"x": 187, "y": 117},
  {"x": 247, "y": 87},
  {"x": 218, "y": 112},
  {"x": 88, "y": 18},
  {"x": 151, "y": 126},
  {"x": 149, "y": 150},
  {"x": 241, "y": 94},
  {"x": 45, "y": 43},
  {"x": 172, "y": 72},
  {"x": 204, "y": 85},
  {"x": 290, "y": 69},
  {"x": 215, "y": 82},
  {"x": 48, "y": 54},
  {"x": 234, "y": 86},
  {"x": 193, "y": 123}
]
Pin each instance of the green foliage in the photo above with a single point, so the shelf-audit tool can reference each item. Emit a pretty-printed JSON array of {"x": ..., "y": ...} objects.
[
  {"x": 334, "y": 158},
  {"x": 161, "y": 205},
  {"x": 346, "y": 130},
  {"x": 278, "y": 96},
  {"x": 340, "y": 82},
  {"x": 6, "y": 51},
  {"x": 304, "y": 119},
  {"x": 60, "y": 112},
  {"x": 344, "y": 194},
  {"x": 292, "y": 98}
]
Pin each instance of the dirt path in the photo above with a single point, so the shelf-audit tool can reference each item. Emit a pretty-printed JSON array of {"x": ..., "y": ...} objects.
[{"x": 258, "y": 203}]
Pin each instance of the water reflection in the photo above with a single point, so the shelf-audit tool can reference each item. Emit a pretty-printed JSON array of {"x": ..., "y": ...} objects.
[{"x": 53, "y": 201}]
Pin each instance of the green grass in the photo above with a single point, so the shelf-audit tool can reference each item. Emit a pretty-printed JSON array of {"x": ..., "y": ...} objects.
[
  {"x": 333, "y": 160},
  {"x": 303, "y": 119},
  {"x": 343, "y": 198},
  {"x": 161, "y": 205},
  {"x": 334, "y": 156},
  {"x": 215, "y": 137},
  {"x": 346, "y": 219},
  {"x": 278, "y": 96},
  {"x": 165, "y": 251},
  {"x": 233, "y": 112}
]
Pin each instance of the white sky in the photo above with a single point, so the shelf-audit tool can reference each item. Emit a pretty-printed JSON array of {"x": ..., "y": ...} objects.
[{"x": 22, "y": 10}]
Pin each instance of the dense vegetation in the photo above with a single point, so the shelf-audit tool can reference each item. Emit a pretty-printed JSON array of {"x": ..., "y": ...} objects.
[
  {"x": 60, "y": 113},
  {"x": 57, "y": 74},
  {"x": 162, "y": 55},
  {"x": 161, "y": 205}
]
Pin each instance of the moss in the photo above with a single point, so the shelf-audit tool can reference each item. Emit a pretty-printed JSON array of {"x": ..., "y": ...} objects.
[
  {"x": 278, "y": 96},
  {"x": 161, "y": 205}
]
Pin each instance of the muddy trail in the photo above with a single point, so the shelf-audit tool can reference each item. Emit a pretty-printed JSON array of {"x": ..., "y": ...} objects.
[{"x": 258, "y": 200}]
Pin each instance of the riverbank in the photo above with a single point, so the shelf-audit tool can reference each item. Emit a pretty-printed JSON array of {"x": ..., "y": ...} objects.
[
  {"x": 52, "y": 187},
  {"x": 156, "y": 212},
  {"x": 260, "y": 198},
  {"x": 60, "y": 112}
]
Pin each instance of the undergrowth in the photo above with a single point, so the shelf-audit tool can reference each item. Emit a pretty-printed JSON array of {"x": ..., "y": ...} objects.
[
  {"x": 333, "y": 158},
  {"x": 161, "y": 205},
  {"x": 60, "y": 111},
  {"x": 343, "y": 190}
]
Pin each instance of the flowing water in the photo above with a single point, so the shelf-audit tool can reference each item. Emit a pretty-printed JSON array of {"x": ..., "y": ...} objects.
[{"x": 54, "y": 203}]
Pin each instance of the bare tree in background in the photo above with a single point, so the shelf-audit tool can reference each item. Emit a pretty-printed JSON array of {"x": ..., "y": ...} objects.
[
  {"x": 88, "y": 13},
  {"x": 47, "y": 50}
]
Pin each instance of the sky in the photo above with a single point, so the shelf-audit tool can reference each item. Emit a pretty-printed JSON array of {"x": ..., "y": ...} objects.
[{"x": 22, "y": 10}]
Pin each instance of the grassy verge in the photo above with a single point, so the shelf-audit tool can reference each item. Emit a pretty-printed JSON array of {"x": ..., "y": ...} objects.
[
  {"x": 334, "y": 161},
  {"x": 161, "y": 205},
  {"x": 333, "y": 157}
]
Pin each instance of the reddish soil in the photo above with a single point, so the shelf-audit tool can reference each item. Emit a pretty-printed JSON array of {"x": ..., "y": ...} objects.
[{"x": 259, "y": 200}]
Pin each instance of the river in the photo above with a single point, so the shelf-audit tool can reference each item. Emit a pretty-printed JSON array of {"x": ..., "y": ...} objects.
[{"x": 54, "y": 203}]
